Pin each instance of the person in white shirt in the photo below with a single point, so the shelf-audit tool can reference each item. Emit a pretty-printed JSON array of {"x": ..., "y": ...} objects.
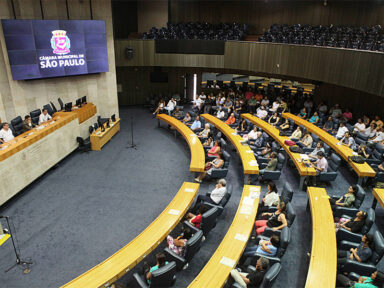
[
  {"x": 275, "y": 106},
  {"x": 44, "y": 117},
  {"x": 370, "y": 131},
  {"x": 378, "y": 137},
  {"x": 341, "y": 131},
  {"x": 262, "y": 113},
  {"x": 216, "y": 195},
  {"x": 313, "y": 155},
  {"x": 321, "y": 165},
  {"x": 296, "y": 135},
  {"x": 265, "y": 101},
  {"x": 270, "y": 199},
  {"x": 6, "y": 134},
  {"x": 359, "y": 126},
  {"x": 220, "y": 113},
  {"x": 253, "y": 133},
  {"x": 170, "y": 106}
]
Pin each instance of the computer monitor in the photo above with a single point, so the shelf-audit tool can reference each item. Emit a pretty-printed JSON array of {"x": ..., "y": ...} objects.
[
  {"x": 113, "y": 118},
  {"x": 68, "y": 107},
  {"x": 78, "y": 102},
  {"x": 107, "y": 123},
  {"x": 84, "y": 99},
  {"x": 95, "y": 126},
  {"x": 102, "y": 128}
]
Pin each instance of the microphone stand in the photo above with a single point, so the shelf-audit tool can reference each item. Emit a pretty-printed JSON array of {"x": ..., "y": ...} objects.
[
  {"x": 18, "y": 259},
  {"x": 133, "y": 145}
]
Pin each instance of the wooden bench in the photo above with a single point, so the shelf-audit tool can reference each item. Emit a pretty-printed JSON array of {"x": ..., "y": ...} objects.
[
  {"x": 378, "y": 193},
  {"x": 250, "y": 165},
  {"x": 215, "y": 273},
  {"x": 111, "y": 269},
  {"x": 99, "y": 139},
  {"x": 197, "y": 151},
  {"x": 274, "y": 133},
  {"x": 323, "y": 262},
  {"x": 362, "y": 170}
]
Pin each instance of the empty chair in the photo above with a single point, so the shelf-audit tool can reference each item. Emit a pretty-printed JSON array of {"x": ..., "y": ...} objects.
[
  {"x": 84, "y": 145},
  {"x": 162, "y": 277},
  {"x": 53, "y": 107},
  {"x": 35, "y": 116},
  {"x": 208, "y": 221},
  {"x": 286, "y": 193},
  {"x": 344, "y": 234},
  {"x": 17, "y": 124},
  {"x": 377, "y": 155},
  {"x": 191, "y": 248},
  {"x": 333, "y": 166},
  {"x": 60, "y": 103}
]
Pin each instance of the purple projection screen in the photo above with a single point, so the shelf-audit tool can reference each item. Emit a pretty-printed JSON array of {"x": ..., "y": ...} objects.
[{"x": 54, "y": 48}]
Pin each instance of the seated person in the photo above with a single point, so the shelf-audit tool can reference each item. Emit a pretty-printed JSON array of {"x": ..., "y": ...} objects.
[
  {"x": 216, "y": 148},
  {"x": 303, "y": 113},
  {"x": 296, "y": 135},
  {"x": 276, "y": 220},
  {"x": 306, "y": 141},
  {"x": 216, "y": 195},
  {"x": 177, "y": 113},
  {"x": 275, "y": 105},
  {"x": 265, "y": 247},
  {"x": 274, "y": 119},
  {"x": 252, "y": 105},
  {"x": 321, "y": 165},
  {"x": 204, "y": 133},
  {"x": 196, "y": 219},
  {"x": 379, "y": 137},
  {"x": 270, "y": 199},
  {"x": 354, "y": 225},
  {"x": 231, "y": 119},
  {"x": 314, "y": 119},
  {"x": 369, "y": 131},
  {"x": 346, "y": 200},
  {"x": 252, "y": 279},
  {"x": 242, "y": 127},
  {"x": 177, "y": 245},
  {"x": 209, "y": 141},
  {"x": 359, "y": 126},
  {"x": 258, "y": 141},
  {"x": 171, "y": 105},
  {"x": 187, "y": 118},
  {"x": 265, "y": 152},
  {"x": 328, "y": 125},
  {"x": 160, "y": 107},
  {"x": 6, "y": 134},
  {"x": 319, "y": 147},
  {"x": 28, "y": 124},
  {"x": 283, "y": 106},
  {"x": 284, "y": 126},
  {"x": 347, "y": 115},
  {"x": 360, "y": 254},
  {"x": 262, "y": 113},
  {"x": 341, "y": 131},
  {"x": 265, "y": 101},
  {"x": 216, "y": 163},
  {"x": 348, "y": 141},
  {"x": 160, "y": 262},
  {"x": 238, "y": 107},
  {"x": 228, "y": 104},
  {"x": 362, "y": 151},
  {"x": 336, "y": 111},
  {"x": 44, "y": 117},
  {"x": 375, "y": 281},
  {"x": 220, "y": 113},
  {"x": 378, "y": 121},
  {"x": 272, "y": 163},
  {"x": 196, "y": 124}
]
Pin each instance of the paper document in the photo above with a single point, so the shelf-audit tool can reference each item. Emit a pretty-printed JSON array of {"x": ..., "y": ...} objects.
[
  {"x": 189, "y": 190},
  {"x": 241, "y": 237},
  {"x": 174, "y": 212},
  {"x": 246, "y": 210},
  {"x": 304, "y": 156},
  {"x": 248, "y": 201},
  {"x": 228, "y": 262}
]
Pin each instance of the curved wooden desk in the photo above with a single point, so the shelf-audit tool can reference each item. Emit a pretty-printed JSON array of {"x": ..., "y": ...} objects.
[
  {"x": 362, "y": 170},
  {"x": 194, "y": 143},
  {"x": 218, "y": 268},
  {"x": 378, "y": 193},
  {"x": 111, "y": 269},
  {"x": 323, "y": 263},
  {"x": 274, "y": 133},
  {"x": 250, "y": 165}
]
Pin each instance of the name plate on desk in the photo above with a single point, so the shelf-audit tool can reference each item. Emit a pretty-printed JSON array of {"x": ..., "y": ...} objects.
[{"x": 228, "y": 262}]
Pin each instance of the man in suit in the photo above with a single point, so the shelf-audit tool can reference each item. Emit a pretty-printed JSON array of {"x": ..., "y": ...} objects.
[{"x": 27, "y": 123}]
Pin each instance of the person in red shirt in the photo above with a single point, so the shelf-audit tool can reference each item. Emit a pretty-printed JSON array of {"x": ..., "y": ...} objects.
[
  {"x": 196, "y": 219},
  {"x": 258, "y": 96},
  {"x": 249, "y": 94}
]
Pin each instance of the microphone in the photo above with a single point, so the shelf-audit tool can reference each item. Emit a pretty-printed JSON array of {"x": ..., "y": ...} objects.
[{"x": 3, "y": 216}]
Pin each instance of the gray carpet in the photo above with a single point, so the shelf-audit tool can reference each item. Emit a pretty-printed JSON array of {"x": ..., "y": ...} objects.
[{"x": 83, "y": 211}]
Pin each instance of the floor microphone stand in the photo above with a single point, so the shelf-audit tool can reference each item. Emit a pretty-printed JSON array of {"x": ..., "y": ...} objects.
[
  {"x": 18, "y": 259},
  {"x": 133, "y": 145}
]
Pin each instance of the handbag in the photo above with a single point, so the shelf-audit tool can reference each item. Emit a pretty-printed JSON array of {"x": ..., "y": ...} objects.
[
  {"x": 208, "y": 166},
  {"x": 296, "y": 149},
  {"x": 357, "y": 159},
  {"x": 289, "y": 142}
]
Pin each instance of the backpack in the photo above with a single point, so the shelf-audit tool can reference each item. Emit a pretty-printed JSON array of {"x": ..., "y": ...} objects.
[
  {"x": 296, "y": 149},
  {"x": 357, "y": 159}
]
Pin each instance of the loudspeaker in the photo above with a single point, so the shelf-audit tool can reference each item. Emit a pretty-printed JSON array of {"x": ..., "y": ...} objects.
[{"x": 129, "y": 53}]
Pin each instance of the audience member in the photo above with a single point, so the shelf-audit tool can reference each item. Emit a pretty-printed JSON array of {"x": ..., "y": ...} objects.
[
  {"x": 270, "y": 199},
  {"x": 27, "y": 123},
  {"x": 341, "y": 131},
  {"x": 160, "y": 107},
  {"x": 354, "y": 225},
  {"x": 195, "y": 220},
  {"x": 44, "y": 117},
  {"x": 216, "y": 195},
  {"x": 360, "y": 254},
  {"x": 216, "y": 148},
  {"x": 347, "y": 200},
  {"x": 315, "y": 118},
  {"x": 306, "y": 141},
  {"x": 274, "y": 119},
  {"x": 204, "y": 133},
  {"x": 6, "y": 134},
  {"x": 160, "y": 262},
  {"x": 177, "y": 245},
  {"x": 252, "y": 279},
  {"x": 231, "y": 119},
  {"x": 319, "y": 147},
  {"x": 196, "y": 124},
  {"x": 216, "y": 163},
  {"x": 276, "y": 220},
  {"x": 375, "y": 281},
  {"x": 262, "y": 113},
  {"x": 328, "y": 125}
]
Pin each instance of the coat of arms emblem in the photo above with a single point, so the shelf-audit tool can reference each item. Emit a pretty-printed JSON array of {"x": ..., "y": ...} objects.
[{"x": 60, "y": 42}]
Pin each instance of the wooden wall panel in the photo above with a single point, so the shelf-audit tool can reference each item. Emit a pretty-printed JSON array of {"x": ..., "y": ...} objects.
[
  {"x": 54, "y": 9},
  {"x": 355, "y": 69},
  {"x": 260, "y": 15}
]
